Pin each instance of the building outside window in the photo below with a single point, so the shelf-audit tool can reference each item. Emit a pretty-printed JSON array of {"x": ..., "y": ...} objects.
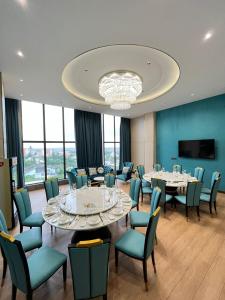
[{"x": 49, "y": 145}]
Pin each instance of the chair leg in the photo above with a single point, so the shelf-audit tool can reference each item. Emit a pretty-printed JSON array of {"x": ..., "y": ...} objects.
[
  {"x": 210, "y": 207},
  {"x": 29, "y": 295},
  {"x": 215, "y": 206},
  {"x": 14, "y": 290},
  {"x": 105, "y": 297},
  {"x": 186, "y": 212},
  {"x": 116, "y": 258},
  {"x": 4, "y": 269},
  {"x": 142, "y": 197},
  {"x": 126, "y": 220},
  {"x": 198, "y": 213},
  {"x": 64, "y": 271},
  {"x": 153, "y": 261},
  {"x": 21, "y": 228},
  {"x": 138, "y": 207},
  {"x": 145, "y": 274},
  {"x": 164, "y": 207}
]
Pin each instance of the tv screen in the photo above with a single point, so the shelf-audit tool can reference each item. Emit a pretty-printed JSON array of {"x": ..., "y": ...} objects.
[{"x": 197, "y": 149}]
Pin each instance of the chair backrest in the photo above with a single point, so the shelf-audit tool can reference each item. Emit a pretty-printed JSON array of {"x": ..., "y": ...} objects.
[
  {"x": 157, "y": 167},
  {"x": 16, "y": 259},
  {"x": 155, "y": 199},
  {"x": 177, "y": 168},
  {"x": 23, "y": 205},
  {"x": 3, "y": 226},
  {"x": 199, "y": 173},
  {"x": 71, "y": 178},
  {"x": 81, "y": 181},
  {"x": 214, "y": 189},
  {"x": 135, "y": 185},
  {"x": 193, "y": 193},
  {"x": 89, "y": 265},
  {"x": 141, "y": 171},
  {"x": 110, "y": 180},
  {"x": 150, "y": 233},
  {"x": 162, "y": 185},
  {"x": 51, "y": 188},
  {"x": 128, "y": 164},
  {"x": 215, "y": 175}
]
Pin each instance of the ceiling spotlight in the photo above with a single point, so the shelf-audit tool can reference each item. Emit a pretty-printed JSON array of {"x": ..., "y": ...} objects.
[
  {"x": 208, "y": 35},
  {"x": 21, "y": 95},
  {"x": 20, "y": 53},
  {"x": 21, "y": 80},
  {"x": 148, "y": 62}
]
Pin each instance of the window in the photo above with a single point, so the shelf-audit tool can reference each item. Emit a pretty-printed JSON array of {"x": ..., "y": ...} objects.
[
  {"x": 49, "y": 146},
  {"x": 111, "y": 140}
]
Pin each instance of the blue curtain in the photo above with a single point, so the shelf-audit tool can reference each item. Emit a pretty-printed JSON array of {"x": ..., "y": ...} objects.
[
  {"x": 125, "y": 141},
  {"x": 14, "y": 135},
  {"x": 88, "y": 139}
]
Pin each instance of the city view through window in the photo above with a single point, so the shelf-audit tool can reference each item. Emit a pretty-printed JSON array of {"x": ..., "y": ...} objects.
[{"x": 49, "y": 144}]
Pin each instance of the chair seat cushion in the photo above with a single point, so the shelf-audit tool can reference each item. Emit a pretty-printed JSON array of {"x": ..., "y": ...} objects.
[
  {"x": 145, "y": 183},
  {"x": 132, "y": 243},
  {"x": 205, "y": 197},
  {"x": 139, "y": 218},
  {"x": 205, "y": 190},
  {"x": 147, "y": 190},
  {"x": 134, "y": 204},
  {"x": 168, "y": 197},
  {"x": 121, "y": 177},
  {"x": 181, "y": 199},
  {"x": 43, "y": 264},
  {"x": 30, "y": 239},
  {"x": 34, "y": 220}
]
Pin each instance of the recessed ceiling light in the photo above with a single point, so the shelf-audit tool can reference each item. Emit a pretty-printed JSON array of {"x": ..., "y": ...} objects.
[
  {"x": 21, "y": 95},
  {"x": 192, "y": 94},
  {"x": 148, "y": 62},
  {"x": 20, "y": 53},
  {"x": 21, "y": 80},
  {"x": 86, "y": 70},
  {"x": 208, "y": 35},
  {"x": 23, "y": 3}
]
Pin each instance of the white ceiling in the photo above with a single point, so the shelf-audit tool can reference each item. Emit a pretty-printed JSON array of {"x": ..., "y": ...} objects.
[{"x": 50, "y": 33}]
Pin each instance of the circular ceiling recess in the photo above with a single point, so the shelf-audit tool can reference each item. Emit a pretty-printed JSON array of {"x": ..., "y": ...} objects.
[{"x": 159, "y": 71}]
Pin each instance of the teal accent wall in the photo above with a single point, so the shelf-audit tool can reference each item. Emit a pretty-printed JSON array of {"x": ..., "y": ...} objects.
[{"x": 203, "y": 119}]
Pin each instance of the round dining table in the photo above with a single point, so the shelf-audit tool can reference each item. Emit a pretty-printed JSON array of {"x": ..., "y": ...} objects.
[
  {"x": 87, "y": 208},
  {"x": 173, "y": 179}
]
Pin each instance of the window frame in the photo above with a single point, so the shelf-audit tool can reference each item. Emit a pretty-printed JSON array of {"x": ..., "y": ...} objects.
[
  {"x": 45, "y": 142},
  {"x": 109, "y": 142}
]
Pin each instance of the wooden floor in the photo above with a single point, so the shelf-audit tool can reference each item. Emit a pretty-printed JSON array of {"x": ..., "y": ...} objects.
[{"x": 190, "y": 259}]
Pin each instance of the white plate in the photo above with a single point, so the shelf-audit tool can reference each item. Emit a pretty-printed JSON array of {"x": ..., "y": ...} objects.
[
  {"x": 93, "y": 220},
  {"x": 117, "y": 211},
  {"x": 64, "y": 220}
]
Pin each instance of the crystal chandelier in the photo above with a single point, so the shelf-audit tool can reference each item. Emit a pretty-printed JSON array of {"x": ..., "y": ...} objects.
[{"x": 120, "y": 89}]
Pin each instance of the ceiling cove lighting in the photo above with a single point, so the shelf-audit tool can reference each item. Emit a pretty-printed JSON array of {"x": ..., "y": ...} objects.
[{"x": 120, "y": 89}]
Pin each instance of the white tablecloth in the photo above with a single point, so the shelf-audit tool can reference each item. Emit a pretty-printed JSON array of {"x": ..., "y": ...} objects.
[
  {"x": 87, "y": 208},
  {"x": 172, "y": 179}
]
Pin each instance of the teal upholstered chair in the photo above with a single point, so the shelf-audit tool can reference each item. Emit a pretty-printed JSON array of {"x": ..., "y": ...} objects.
[
  {"x": 134, "y": 193},
  {"x": 23, "y": 205},
  {"x": 141, "y": 218},
  {"x": 215, "y": 175},
  {"x": 157, "y": 167},
  {"x": 28, "y": 274},
  {"x": 211, "y": 198},
  {"x": 89, "y": 266},
  {"x": 51, "y": 188},
  {"x": 110, "y": 180},
  {"x": 177, "y": 168},
  {"x": 29, "y": 239},
  {"x": 192, "y": 197},
  {"x": 145, "y": 185},
  {"x": 138, "y": 245},
  {"x": 199, "y": 173},
  {"x": 71, "y": 178},
  {"x": 125, "y": 175},
  {"x": 165, "y": 198},
  {"x": 81, "y": 180}
]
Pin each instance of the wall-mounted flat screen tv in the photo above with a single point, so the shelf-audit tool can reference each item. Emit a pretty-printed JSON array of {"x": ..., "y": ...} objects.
[{"x": 197, "y": 149}]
